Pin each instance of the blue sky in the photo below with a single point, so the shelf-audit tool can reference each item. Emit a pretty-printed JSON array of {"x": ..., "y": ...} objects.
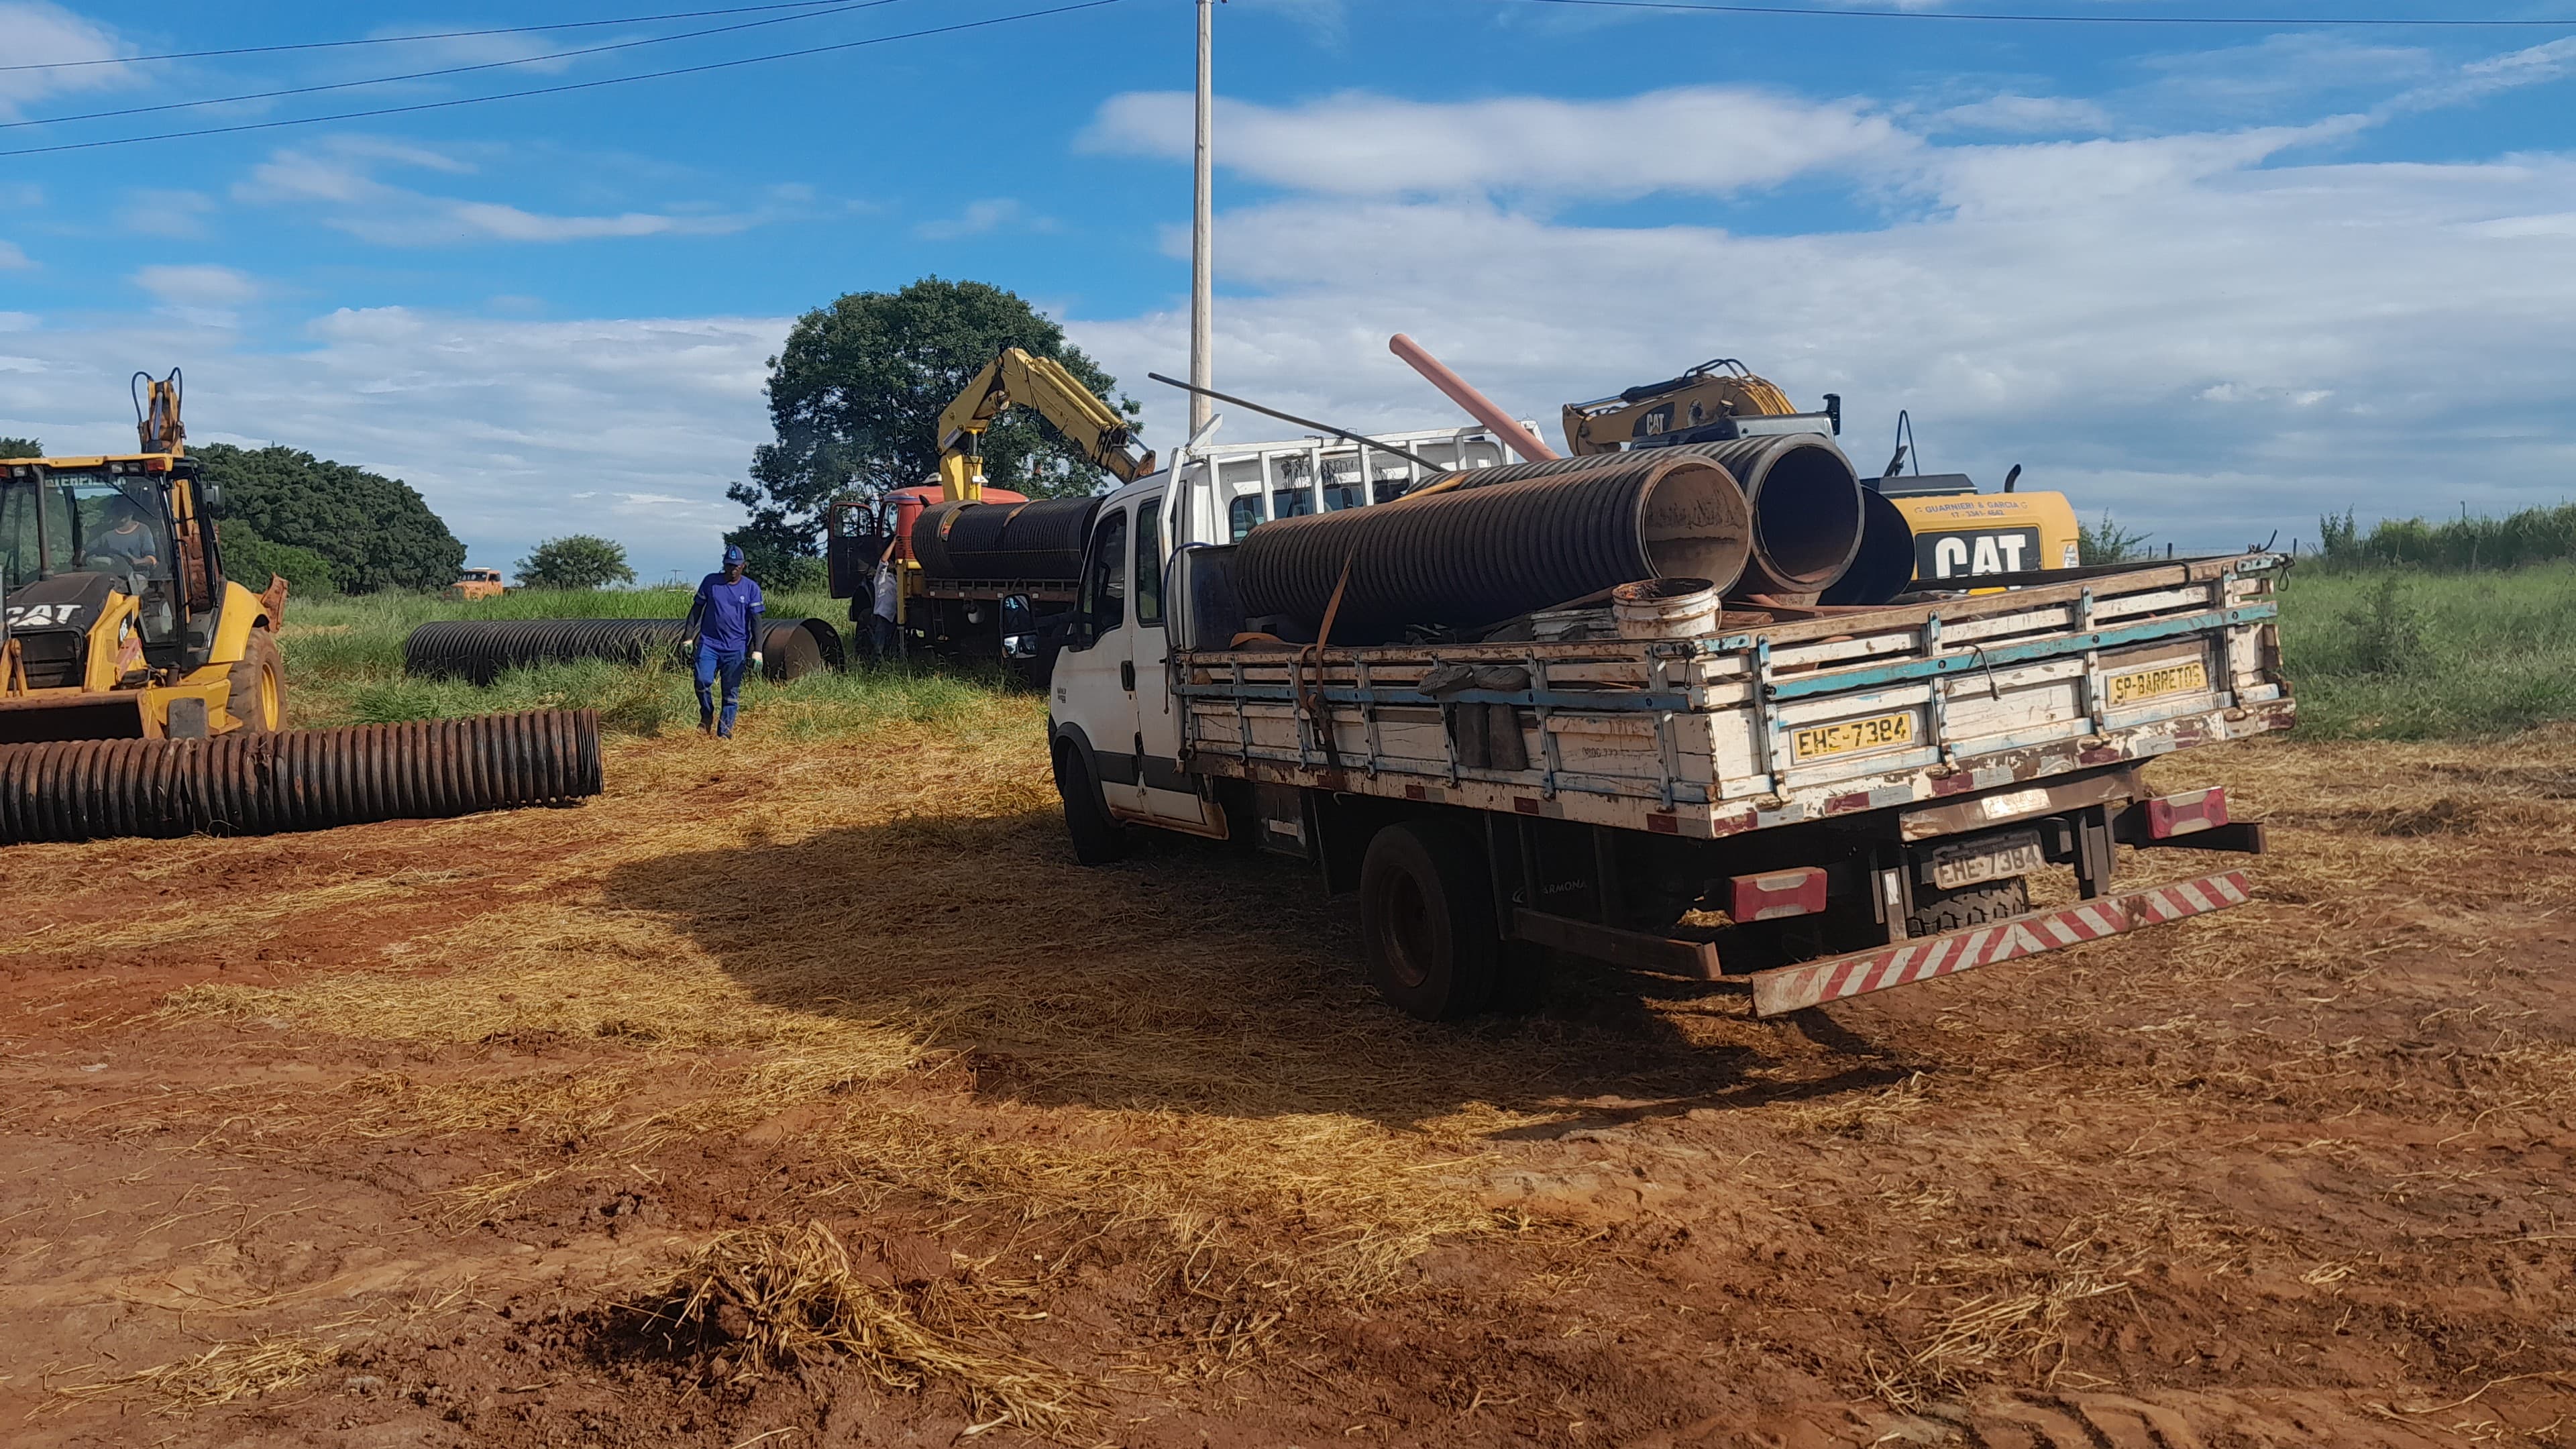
[{"x": 2214, "y": 280}]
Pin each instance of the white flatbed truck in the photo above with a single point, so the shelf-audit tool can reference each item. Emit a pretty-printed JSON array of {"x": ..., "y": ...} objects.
[{"x": 1817, "y": 804}]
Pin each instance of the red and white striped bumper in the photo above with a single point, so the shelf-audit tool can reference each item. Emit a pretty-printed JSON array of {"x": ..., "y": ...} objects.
[{"x": 1812, "y": 983}]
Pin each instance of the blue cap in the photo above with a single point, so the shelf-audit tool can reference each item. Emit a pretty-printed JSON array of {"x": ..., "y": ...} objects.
[{"x": 733, "y": 553}]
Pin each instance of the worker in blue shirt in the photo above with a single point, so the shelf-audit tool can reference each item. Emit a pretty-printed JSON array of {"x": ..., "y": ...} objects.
[{"x": 722, "y": 635}]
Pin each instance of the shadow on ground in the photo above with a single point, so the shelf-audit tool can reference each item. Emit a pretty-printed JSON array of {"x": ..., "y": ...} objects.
[{"x": 1192, "y": 977}]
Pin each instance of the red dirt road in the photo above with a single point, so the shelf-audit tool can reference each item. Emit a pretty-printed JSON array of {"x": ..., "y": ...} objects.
[{"x": 406, "y": 1135}]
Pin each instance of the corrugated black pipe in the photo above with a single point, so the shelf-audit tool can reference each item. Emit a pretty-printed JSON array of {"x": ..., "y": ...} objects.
[
  {"x": 1884, "y": 567},
  {"x": 1805, "y": 495},
  {"x": 1476, "y": 556},
  {"x": 478, "y": 650},
  {"x": 1040, "y": 539},
  {"x": 263, "y": 784}
]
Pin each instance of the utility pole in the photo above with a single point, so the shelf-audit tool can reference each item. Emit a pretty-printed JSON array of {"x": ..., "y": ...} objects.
[{"x": 1203, "y": 233}]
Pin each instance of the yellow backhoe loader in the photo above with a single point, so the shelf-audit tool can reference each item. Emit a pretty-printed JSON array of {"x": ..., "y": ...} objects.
[
  {"x": 1958, "y": 531},
  {"x": 116, "y": 620}
]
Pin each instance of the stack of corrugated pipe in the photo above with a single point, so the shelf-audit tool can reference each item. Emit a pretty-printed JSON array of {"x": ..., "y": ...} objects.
[
  {"x": 478, "y": 650},
  {"x": 1771, "y": 520},
  {"x": 261, "y": 784}
]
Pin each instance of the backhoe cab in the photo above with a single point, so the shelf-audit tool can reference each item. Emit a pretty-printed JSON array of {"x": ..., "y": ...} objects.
[{"x": 116, "y": 620}]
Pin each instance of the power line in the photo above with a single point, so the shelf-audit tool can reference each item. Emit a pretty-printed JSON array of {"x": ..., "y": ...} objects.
[
  {"x": 406, "y": 39},
  {"x": 561, "y": 89},
  {"x": 2276, "y": 22},
  {"x": 383, "y": 80}
]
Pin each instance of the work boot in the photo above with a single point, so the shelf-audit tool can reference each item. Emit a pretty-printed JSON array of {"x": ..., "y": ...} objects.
[{"x": 706, "y": 724}]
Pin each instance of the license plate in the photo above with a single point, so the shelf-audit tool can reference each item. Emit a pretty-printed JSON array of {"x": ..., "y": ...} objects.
[
  {"x": 1878, "y": 733},
  {"x": 2142, "y": 684},
  {"x": 1997, "y": 857}
]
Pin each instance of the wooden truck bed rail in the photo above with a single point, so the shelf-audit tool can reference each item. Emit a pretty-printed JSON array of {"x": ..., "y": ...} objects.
[{"x": 1764, "y": 723}]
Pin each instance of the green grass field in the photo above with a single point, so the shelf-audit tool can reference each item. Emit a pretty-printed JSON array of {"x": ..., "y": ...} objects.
[
  {"x": 2396, "y": 653},
  {"x": 344, "y": 666},
  {"x": 2373, "y": 653}
]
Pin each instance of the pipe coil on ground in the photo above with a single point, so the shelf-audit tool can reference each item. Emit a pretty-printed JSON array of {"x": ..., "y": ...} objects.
[
  {"x": 1808, "y": 516},
  {"x": 479, "y": 650},
  {"x": 264, "y": 784},
  {"x": 1476, "y": 556},
  {"x": 1041, "y": 539}
]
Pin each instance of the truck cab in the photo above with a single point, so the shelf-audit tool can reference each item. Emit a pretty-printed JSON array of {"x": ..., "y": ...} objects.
[{"x": 1113, "y": 718}]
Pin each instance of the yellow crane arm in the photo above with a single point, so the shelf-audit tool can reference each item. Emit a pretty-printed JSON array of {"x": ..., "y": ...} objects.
[{"x": 1017, "y": 379}]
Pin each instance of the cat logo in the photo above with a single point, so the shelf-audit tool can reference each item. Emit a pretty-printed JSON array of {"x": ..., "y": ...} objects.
[{"x": 1984, "y": 551}]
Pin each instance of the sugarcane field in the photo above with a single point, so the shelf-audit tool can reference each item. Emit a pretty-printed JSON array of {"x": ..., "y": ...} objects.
[{"x": 689, "y": 779}]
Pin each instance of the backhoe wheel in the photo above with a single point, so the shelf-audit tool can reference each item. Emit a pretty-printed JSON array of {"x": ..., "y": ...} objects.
[
  {"x": 1977, "y": 905},
  {"x": 1097, "y": 839},
  {"x": 259, "y": 686},
  {"x": 1427, "y": 918}
]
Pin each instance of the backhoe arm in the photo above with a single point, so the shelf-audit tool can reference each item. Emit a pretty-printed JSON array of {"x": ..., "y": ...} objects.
[{"x": 1017, "y": 379}]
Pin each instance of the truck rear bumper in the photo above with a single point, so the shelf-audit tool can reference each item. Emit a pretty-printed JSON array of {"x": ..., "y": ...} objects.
[{"x": 1813, "y": 983}]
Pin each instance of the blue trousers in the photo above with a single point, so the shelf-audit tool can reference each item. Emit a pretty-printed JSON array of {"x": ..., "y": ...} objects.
[{"x": 711, "y": 663}]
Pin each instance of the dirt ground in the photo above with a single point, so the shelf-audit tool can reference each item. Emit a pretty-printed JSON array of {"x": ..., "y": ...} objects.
[{"x": 805, "y": 1093}]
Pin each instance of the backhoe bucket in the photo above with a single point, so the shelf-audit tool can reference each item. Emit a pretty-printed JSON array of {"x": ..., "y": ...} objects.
[{"x": 71, "y": 715}]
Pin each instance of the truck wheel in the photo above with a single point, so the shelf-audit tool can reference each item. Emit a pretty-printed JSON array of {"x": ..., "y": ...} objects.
[
  {"x": 1427, "y": 916},
  {"x": 258, "y": 682},
  {"x": 1939, "y": 911},
  {"x": 1097, "y": 839}
]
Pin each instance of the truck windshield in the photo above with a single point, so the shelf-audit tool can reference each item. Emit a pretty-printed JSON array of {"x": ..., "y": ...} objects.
[{"x": 80, "y": 521}]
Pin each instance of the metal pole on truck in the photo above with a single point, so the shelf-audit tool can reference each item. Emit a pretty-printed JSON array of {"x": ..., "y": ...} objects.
[{"x": 1203, "y": 230}]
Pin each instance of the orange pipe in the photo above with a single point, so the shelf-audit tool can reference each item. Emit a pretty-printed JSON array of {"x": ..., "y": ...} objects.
[{"x": 1478, "y": 406}]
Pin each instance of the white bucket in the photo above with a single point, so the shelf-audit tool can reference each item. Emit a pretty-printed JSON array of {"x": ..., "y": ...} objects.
[{"x": 1665, "y": 608}]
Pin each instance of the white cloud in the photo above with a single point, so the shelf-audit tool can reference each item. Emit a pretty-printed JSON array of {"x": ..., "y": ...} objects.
[
  {"x": 1365, "y": 145},
  {"x": 990, "y": 214},
  {"x": 19, "y": 321},
  {"x": 489, "y": 418},
  {"x": 339, "y": 179},
  {"x": 33, "y": 32},
  {"x": 11, "y": 258},
  {"x": 2215, "y": 334},
  {"x": 197, "y": 285},
  {"x": 170, "y": 213},
  {"x": 2025, "y": 115}
]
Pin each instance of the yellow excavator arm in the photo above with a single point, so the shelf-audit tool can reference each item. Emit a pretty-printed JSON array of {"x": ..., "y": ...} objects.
[
  {"x": 1017, "y": 379},
  {"x": 1715, "y": 389}
]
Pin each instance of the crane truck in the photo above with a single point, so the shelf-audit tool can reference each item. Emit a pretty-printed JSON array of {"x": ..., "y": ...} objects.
[
  {"x": 1812, "y": 803},
  {"x": 116, "y": 619},
  {"x": 960, "y": 547}
]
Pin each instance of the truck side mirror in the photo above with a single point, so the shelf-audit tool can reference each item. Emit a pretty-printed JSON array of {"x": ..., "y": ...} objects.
[
  {"x": 211, "y": 496},
  {"x": 1019, "y": 621}
]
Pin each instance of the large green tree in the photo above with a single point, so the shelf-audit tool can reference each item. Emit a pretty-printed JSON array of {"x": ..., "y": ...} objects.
[
  {"x": 375, "y": 532},
  {"x": 580, "y": 561},
  {"x": 856, "y": 394},
  {"x": 21, "y": 448}
]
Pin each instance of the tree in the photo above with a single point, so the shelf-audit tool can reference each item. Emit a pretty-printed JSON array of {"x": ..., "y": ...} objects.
[
  {"x": 250, "y": 559},
  {"x": 856, "y": 394},
  {"x": 374, "y": 532},
  {"x": 21, "y": 448},
  {"x": 778, "y": 568},
  {"x": 579, "y": 561},
  {"x": 2108, "y": 544}
]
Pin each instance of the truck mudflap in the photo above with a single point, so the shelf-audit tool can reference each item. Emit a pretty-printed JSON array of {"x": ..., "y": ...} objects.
[{"x": 1812, "y": 983}]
